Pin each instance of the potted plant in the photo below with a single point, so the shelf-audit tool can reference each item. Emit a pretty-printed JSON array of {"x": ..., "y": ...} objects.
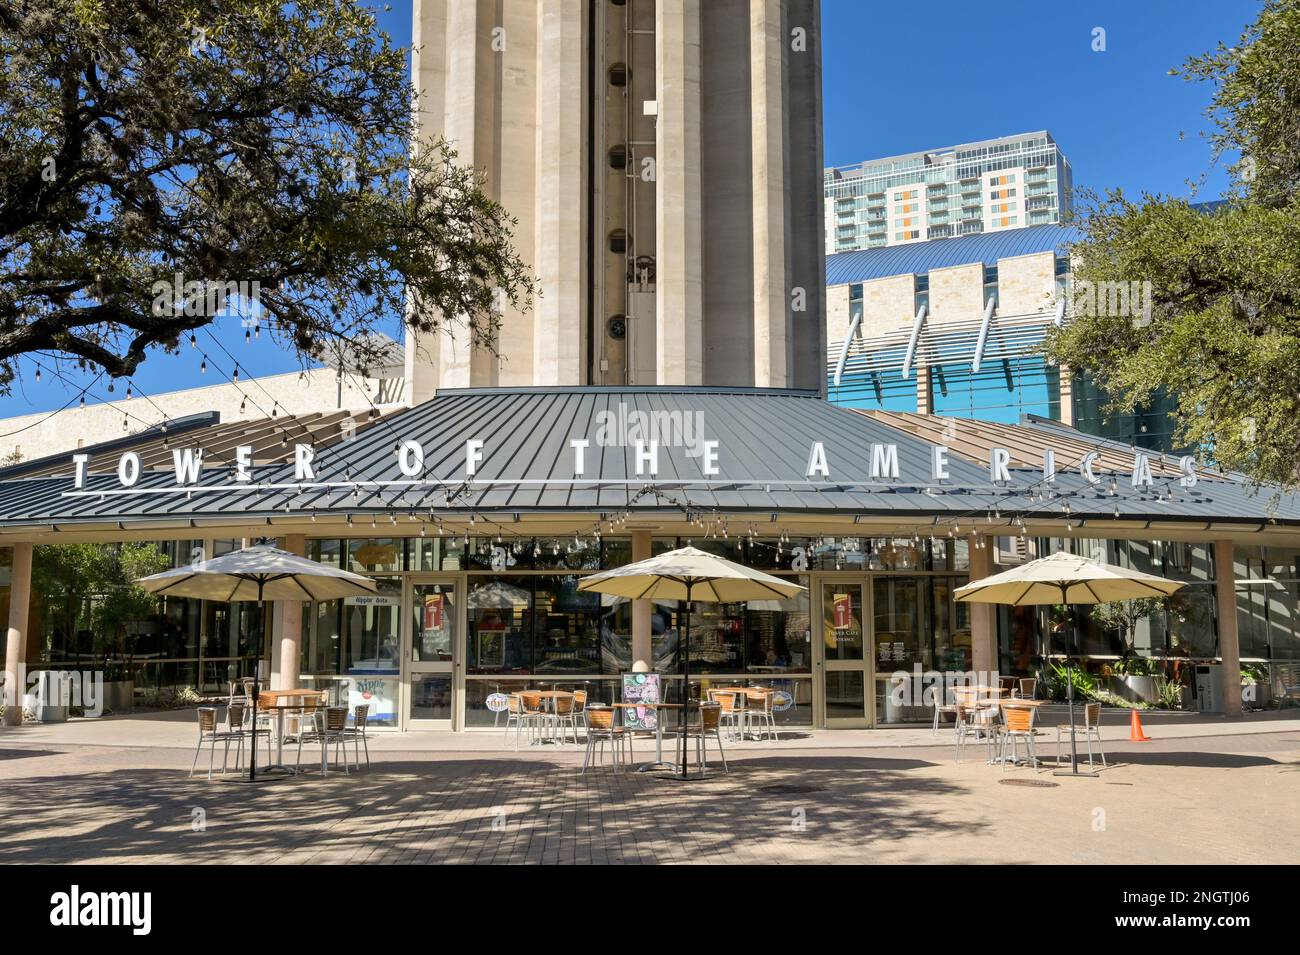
[
  {"x": 1172, "y": 695},
  {"x": 1134, "y": 679}
]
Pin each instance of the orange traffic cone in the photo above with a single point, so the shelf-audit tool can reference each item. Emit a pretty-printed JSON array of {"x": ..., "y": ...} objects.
[{"x": 1135, "y": 733}]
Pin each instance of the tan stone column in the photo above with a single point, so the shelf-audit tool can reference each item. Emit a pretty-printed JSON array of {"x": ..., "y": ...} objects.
[
  {"x": 767, "y": 145},
  {"x": 679, "y": 290},
  {"x": 290, "y": 645},
  {"x": 559, "y": 340},
  {"x": 1067, "y": 395},
  {"x": 642, "y": 650},
  {"x": 1225, "y": 599},
  {"x": 983, "y": 619},
  {"x": 20, "y": 592},
  {"x": 923, "y": 389}
]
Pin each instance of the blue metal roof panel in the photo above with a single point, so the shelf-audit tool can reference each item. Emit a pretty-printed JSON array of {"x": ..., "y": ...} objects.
[{"x": 917, "y": 258}]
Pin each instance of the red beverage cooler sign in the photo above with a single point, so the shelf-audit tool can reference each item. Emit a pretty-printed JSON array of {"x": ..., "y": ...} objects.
[
  {"x": 433, "y": 612},
  {"x": 843, "y": 610}
]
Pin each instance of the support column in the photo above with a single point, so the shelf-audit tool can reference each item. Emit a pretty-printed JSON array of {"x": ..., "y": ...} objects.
[
  {"x": 983, "y": 620},
  {"x": 1225, "y": 599},
  {"x": 767, "y": 146},
  {"x": 559, "y": 342},
  {"x": 1066, "y": 378},
  {"x": 679, "y": 284},
  {"x": 20, "y": 592},
  {"x": 923, "y": 389},
  {"x": 290, "y": 644},
  {"x": 642, "y": 650}
]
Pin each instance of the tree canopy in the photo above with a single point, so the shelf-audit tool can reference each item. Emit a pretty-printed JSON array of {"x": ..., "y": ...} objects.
[
  {"x": 1222, "y": 331},
  {"x": 204, "y": 147}
]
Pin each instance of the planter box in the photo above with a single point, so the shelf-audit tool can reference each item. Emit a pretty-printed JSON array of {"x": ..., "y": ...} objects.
[
  {"x": 119, "y": 696},
  {"x": 1135, "y": 689}
]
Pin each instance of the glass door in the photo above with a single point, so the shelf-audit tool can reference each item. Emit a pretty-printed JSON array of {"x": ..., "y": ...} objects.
[
  {"x": 845, "y": 676},
  {"x": 432, "y": 674}
]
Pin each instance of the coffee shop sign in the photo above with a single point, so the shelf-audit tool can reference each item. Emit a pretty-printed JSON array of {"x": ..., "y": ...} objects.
[{"x": 883, "y": 465}]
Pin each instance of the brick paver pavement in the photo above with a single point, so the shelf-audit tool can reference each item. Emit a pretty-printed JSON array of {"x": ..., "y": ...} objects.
[{"x": 1230, "y": 799}]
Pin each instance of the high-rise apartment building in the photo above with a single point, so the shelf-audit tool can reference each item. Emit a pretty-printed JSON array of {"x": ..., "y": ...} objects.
[
  {"x": 988, "y": 186},
  {"x": 662, "y": 160}
]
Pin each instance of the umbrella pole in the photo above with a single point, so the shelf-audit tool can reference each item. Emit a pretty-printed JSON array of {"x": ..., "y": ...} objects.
[
  {"x": 1069, "y": 698},
  {"x": 686, "y": 683},
  {"x": 257, "y": 656}
]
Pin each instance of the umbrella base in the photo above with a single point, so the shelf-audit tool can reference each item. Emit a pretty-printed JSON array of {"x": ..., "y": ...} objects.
[
  {"x": 266, "y": 774},
  {"x": 1075, "y": 772}
]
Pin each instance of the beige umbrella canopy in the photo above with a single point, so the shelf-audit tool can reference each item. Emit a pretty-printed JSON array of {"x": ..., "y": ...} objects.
[
  {"x": 259, "y": 572},
  {"x": 1068, "y": 579},
  {"x": 1065, "y": 578},
  {"x": 689, "y": 574}
]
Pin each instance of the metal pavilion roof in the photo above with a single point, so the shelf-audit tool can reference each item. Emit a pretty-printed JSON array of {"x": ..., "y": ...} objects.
[
  {"x": 918, "y": 258},
  {"x": 528, "y": 466}
]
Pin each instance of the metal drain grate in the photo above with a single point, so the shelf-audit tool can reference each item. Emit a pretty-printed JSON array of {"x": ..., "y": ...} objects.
[{"x": 1039, "y": 783}]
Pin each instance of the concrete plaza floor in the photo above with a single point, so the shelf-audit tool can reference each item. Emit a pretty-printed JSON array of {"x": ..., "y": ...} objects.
[{"x": 1205, "y": 790}]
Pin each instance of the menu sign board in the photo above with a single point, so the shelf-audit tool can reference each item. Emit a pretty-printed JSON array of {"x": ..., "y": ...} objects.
[{"x": 641, "y": 688}]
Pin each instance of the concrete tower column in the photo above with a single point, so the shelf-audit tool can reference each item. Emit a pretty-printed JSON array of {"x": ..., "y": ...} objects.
[
  {"x": 642, "y": 650},
  {"x": 983, "y": 620},
  {"x": 1225, "y": 599},
  {"x": 290, "y": 627},
  {"x": 20, "y": 592},
  {"x": 679, "y": 327},
  {"x": 767, "y": 144},
  {"x": 559, "y": 334}
]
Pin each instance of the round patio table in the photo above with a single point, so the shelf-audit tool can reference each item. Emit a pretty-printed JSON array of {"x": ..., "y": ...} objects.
[{"x": 270, "y": 700}]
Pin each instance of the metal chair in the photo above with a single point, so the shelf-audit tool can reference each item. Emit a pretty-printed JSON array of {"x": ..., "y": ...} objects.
[
  {"x": 731, "y": 713},
  {"x": 1028, "y": 687},
  {"x": 601, "y": 729},
  {"x": 580, "y": 706},
  {"x": 564, "y": 712},
  {"x": 1091, "y": 727},
  {"x": 1018, "y": 723},
  {"x": 758, "y": 711},
  {"x": 973, "y": 721},
  {"x": 523, "y": 713},
  {"x": 709, "y": 724},
  {"x": 357, "y": 733},
  {"x": 940, "y": 707},
  {"x": 327, "y": 726},
  {"x": 211, "y": 733}
]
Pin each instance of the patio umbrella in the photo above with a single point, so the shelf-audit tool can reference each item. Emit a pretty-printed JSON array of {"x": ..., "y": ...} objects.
[
  {"x": 689, "y": 574},
  {"x": 260, "y": 572},
  {"x": 1067, "y": 579}
]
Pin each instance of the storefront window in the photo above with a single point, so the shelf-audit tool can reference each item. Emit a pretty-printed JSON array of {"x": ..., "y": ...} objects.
[
  {"x": 566, "y": 626},
  {"x": 500, "y": 625},
  {"x": 375, "y": 555}
]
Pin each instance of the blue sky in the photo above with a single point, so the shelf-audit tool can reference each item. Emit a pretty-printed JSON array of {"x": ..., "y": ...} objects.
[{"x": 900, "y": 76}]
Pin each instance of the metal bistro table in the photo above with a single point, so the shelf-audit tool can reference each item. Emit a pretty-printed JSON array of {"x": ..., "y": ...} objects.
[
  {"x": 548, "y": 698},
  {"x": 280, "y": 709}
]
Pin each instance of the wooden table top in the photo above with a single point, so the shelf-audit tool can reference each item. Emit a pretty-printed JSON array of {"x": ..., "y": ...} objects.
[
  {"x": 1025, "y": 703},
  {"x": 548, "y": 694}
]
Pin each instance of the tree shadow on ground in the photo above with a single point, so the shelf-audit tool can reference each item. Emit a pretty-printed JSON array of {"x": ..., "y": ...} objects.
[
  {"x": 1191, "y": 759},
  {"x": 480, "y": 809}
]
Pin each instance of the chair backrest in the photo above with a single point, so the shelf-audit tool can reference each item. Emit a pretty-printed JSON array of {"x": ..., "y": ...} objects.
[
  {"x": 1092, "y": 714},
  {"x": 235, "y": 715},
  {"x": 359, "y": 717},
  {"x": 710, "y": 716},
  {"x": 563, "y": 705},
  {"x": 514, "y": 704},
  {"x": 600, "y": 718},
  {"x": 336, "y": 718},
  {"x": 1007, "y": 683},
  {"x": 964, "y": 695},
  {"x": 759, "y": 698},
  {"x": 579, "y": 700},
  {"x": 1018, "y": 719},
  {"x": 724, "y": 698},
  {"x": 532, "y": 700},
  {"x": 1028, "y": 687},
  {"x": 207, "y": 719}
]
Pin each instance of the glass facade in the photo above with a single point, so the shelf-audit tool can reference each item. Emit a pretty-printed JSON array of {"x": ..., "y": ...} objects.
[{"x": 1002, "y": 390}]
